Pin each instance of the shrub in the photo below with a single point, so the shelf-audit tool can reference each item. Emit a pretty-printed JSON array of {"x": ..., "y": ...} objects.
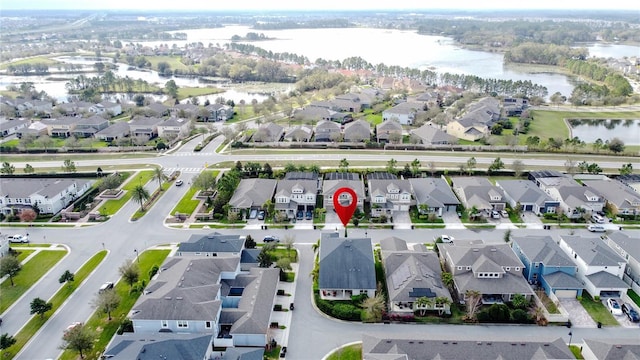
[
  {"x": 125, "y": 326},
  {"x": 520, "y": 316},
  {"x": 153, "y": 271},
  {"x": 346, "y": 312}
]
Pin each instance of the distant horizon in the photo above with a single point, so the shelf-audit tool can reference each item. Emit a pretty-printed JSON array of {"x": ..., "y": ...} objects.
[{"x": 326, "y": 5}]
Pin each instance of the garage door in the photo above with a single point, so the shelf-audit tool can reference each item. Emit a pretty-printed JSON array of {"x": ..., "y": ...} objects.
[{"x": 566, "y": 294}]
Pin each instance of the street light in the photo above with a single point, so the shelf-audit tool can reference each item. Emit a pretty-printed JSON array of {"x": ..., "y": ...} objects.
[
  {"x": 137, "y": 257},
  {"x": 570, "y": 335}
]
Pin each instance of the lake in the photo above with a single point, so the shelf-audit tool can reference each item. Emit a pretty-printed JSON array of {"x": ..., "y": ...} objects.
[{"x": 589, "y": 130}]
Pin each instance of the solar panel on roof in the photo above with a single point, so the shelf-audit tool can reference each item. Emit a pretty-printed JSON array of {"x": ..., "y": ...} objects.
[{"x": 422, "y": 292}]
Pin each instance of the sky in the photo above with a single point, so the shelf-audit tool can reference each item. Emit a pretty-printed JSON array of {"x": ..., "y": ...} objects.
[{"x": 632, "y": 5}]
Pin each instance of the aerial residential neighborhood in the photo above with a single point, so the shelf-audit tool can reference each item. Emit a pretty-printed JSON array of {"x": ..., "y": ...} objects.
[{"x": 215, "y": 184}]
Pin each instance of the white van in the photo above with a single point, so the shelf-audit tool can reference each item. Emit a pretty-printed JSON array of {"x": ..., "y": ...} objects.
[{"x": 596, "y": 228}]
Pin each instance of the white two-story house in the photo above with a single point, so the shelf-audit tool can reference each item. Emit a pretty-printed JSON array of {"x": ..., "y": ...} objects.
[
  {"x": 388, "y": 194},
  {"x": 295, "y": 195}
]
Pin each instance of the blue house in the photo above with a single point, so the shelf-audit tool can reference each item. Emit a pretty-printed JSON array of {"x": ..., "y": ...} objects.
[{"x": 546, "y": 265}]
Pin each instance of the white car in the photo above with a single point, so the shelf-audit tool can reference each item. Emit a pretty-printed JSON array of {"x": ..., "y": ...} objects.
[
  {"x": 614, "y": 306},
  {"x": 17, "y": 238},
  {"x": 446, "y": 239}
]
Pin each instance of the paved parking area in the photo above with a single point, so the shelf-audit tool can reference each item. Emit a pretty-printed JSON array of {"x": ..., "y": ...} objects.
[{"x": 577, "y": 314}]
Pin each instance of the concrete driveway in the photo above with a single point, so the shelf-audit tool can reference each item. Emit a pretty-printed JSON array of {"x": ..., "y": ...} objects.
[
  {"x": 577, "y": 314},
  {"x": 401, "y": 220},
  {"x": 531, "y": 220},
  {"x": 451, "y": 220}
]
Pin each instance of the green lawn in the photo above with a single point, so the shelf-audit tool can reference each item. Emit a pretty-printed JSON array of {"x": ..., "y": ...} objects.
[
  {"x": 173, "y": 61},
  {"x": 23, "y": 254},
  {"x": 57, "y": 300},
  {"x": 187, "y": 92},
  {"x": 576, "y": 350},
  {"x": 31, "y": 272},
  {"x": 351, "y": 352},
  {"x": 187, "y": 204},
  {"x": 31, "y": 60},
  {"x": 634, "y": 297},
  {"x": 597, "y": 311},
  {"x": 111, "y": 207},
  {"x": 99, "y": 323},
  {"x": 139, "y": 213}
]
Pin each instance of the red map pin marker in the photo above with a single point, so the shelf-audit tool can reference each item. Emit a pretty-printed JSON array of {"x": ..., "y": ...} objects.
[{"x": 345, "y": 212}]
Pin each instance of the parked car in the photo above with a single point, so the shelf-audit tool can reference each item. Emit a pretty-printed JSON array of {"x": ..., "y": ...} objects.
[
  {"x": 504, "y": 213},
  {"x": 596, "y": 228},
  {"x": 300, "y": 215},
  {"x": 253, "y": 214},
  {"x": 309, "y": 215},
  {"x": 631, "y": 313},
  {"x": 261, "y": 215},
  {"x": 271, "y": 238},
  {"x": 614, "y": 307},
  {"x": 597, "y": 219},
  {"x": 72, "y": 325},
  {"x": 179, "y": 182},
  {"x": 446, "y": 238},
  {"x": 106, "y": 286},
  {"x": 495, "y": 214},
  {"x": 17, "y": 238}
]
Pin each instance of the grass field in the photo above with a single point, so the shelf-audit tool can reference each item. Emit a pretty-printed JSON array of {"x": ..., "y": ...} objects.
[
  {"x": 187, "y": 92},
  {"x": 31, "y": 60},
  {"x": 173, "y": 61},
  {"x": 351, "y": 352},
  {"x": 598, "y": 311},
  {"x": 99, "y": 323},
  {"x": 31, "y": 272},
  {"x": 187, "y": 204}
]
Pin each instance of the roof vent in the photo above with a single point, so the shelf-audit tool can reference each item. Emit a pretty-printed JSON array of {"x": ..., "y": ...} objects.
[
  {"x": 479, "y": 343},
  {"x": 476, "y": 249},
  {"x": 493, "y": 250},
  {"x": 178, "y": 297},
  {"x": 167, "y": 297}
]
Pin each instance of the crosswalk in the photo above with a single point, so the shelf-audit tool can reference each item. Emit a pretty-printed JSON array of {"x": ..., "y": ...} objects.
[
  {"x": 189, "y": 170},
  {"x": 193, "y": 154}
]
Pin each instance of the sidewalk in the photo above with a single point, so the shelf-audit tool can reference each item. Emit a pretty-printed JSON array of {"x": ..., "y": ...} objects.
[{"x": 284, "y": 317}]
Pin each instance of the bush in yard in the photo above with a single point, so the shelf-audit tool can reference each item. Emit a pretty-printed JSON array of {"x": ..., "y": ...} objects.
[
  {"x": 346, "y": 312},
  {"x": 520, "y": 316},
  {"x": 497, "y": 313}
]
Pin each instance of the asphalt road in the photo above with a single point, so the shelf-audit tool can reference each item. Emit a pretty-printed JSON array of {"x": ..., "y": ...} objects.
[{"x": 313, "y": 335}]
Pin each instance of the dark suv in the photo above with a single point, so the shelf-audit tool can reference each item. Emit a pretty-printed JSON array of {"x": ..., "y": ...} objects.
[
  {"x": 631, "y": 313},
  {"x": 271, "y": 238}
]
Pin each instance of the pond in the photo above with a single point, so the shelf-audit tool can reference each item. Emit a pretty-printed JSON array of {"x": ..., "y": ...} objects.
[{"x": 589, "y": 130}]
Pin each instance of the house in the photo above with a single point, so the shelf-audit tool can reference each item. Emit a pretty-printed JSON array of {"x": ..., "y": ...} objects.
[
  {"x": 539, "y": 176},
  {"x": 208, "y": 296},
  {"x": 404, "y": 113},
  {"x": 252, "y": 194},
  {"x": 389, "y": 132},
  {"x": 312, "y": 114},
  {"x": 327, "y": 130},
  {"x": 185, "y": 110},
  {"x": 574, "y": 199},
  {"x": 514, "y": 106},
  {"x": 384, "y": 346},
  {"x": 37, "y": 106},
  {"x": 547, "y": 265},
  {"x": 74, "y": 108},
  {"x": 621, "y": 199},
  {"x": 61, "y": 127},
  {"x": 596, "y": 349},
  {"x": 220, "y": 112},
  {"x": 477, "y": 120},
  {"x": 388, "y": 194},
  {"x": 144, "y": 126},
  {"x": 269, "y": 132},
  {"x": 494, "y": 270},
  {"x": 114, "y": 132},
  {"x": 10, "y": 127},
  {"x": 528, "y": 196},
  {"x": 351, "y": 102},
  {"x": 301, "y": 133},
  {"x": 214, "y": 244},
  {"x": 346, "y": 267},
  {"x": 479, "y": 193},
  {"x": 161, "y": 345},
  {"x": 34, "y": 128},
  {"x": 631, "y": 180},
  {"x": 158, "y": 109},
  {"x": 89, "y": 127},
  {"x": 174, "y": 128},
  {"x": 430, "y": 135},
  {"x": 599, "y": 267},
  {"x": 48, "y": 195},
  {"x": 433, "y": 196},
  {"x": 305, "y": 175},
  {"x": 334, "y": 181},
  {"x": 357, "y": 131},
  {"x": 295, "y": 195},
  {"x": 412, "y": 274},
  {"x": 629, "y": 249},
  {"x": 106, "y": 107}
]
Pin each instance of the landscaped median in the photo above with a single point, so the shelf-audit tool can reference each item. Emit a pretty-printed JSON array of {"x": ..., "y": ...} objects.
[
  {"x": 36, "y": 322},
  {"x": 111, "y": 207},
  {"x": 30, "y": 273}
]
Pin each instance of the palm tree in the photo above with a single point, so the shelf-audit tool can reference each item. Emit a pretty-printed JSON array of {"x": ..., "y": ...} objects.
[
  {"x": 373, "y": 308},
  {"x": 159, "y": 175},
  {"x": 473, "y": 299},
  {"x": 447, "y": 279},
  {"x": 441, "y": 303},
  {"x": 140, "y": 195},
  {"x": 423, "y": 303}
]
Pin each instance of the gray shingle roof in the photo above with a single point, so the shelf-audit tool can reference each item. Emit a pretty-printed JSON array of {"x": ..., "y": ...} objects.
[
  {"x": 159, "y": 346},
  {"x": 623, "y": 197},
  {"x": 430, "y": 135},
  {"x": 543, "y": 249},
  {"x": 631, "y": 245},
  {"x": 593, "y": 251},
  {"x": 346, "y": 263},
  {"x": 433, "y": 192},
  {"x": 562, "y": 280},
  {"x": 604, "y": 279},
  {"x": 253, "y": 192},
  {"x": 119, "y": 128},
  {"x": 614, "y": 349},
  {"x": 486, "y": 347},
  {"x": 524, "y": 191},
  {"x": 46, "y": 187},
  {"x": 214, "y": 242}
]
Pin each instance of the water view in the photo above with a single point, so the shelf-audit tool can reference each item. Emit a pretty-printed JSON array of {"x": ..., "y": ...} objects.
[{"x": 589, "y": 130}]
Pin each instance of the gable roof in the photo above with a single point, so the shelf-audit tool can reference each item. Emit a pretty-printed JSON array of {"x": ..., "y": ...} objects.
[
  {"x": 286, "y": 187},
  {"x": 253, "y": 192},
  {"x": 623, "y": 197},
  {"x": 592, "y": 250},
  {"x": 431, "y": 135},
  {"x": 346, "y": 263},
  {"x": 433, "y": 192},
  {"x": 524, "y": 191},
  {"x": 440, "y": 347},
  {"x": 543, "y": 249},
  {"x": 614, "y": 349},
  {"x": 159, "y": 346},
  {"x": 628, "y": 244},
  {"x": 214, "y": 242},
  {"x": 389, "y": 125},
  {"x": 603, "y": 279},
  {"x": 562, "y": 280}
]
